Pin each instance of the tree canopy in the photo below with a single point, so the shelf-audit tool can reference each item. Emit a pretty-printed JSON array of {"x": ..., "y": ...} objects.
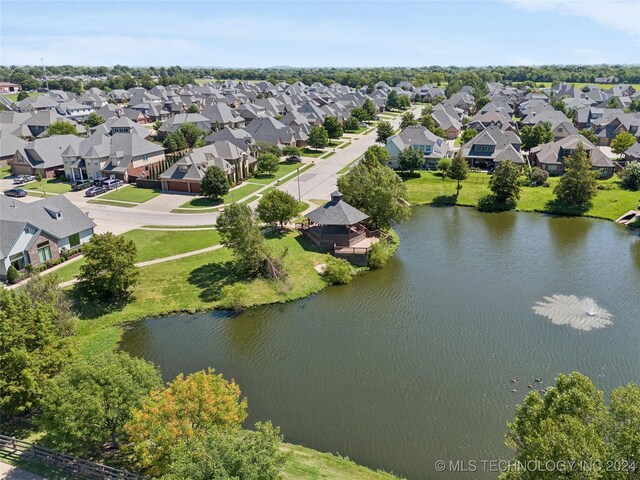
[
  {"x": 411, "y": 159},
  {"x": 578, "y": 185},
  {"x": 504, "y": 182},
  {"x": 268, "y": 163},
  {"x": 537, "y": 135},
  {"x": 215, "y": 183},
  {"x": 333, "y": 127},
  {"x": 60, "y": 127},
  {"x": 318, "y": 137},
  {"x": 622, "y": 142},
  {"x": 93, "y": 120},
  {"x": 383, "y": 131},
  {"x": 459, "y": 170}
]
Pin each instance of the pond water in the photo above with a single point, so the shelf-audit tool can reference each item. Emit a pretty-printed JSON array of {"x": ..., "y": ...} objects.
[{"x": 413, "y": 363}]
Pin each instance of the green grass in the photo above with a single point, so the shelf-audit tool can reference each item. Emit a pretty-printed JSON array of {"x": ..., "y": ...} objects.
[
  {"x": 609, "y": 204},
  {"x": 4, "y": 171},
  {"x": 51, "y": 185},
  {"x": 193, "y": 283},
  {"x": 132, "y": 193},
  {"x": 307, "y": 464},
  {"x": 285, "y": 168},
  {"x": 312, "y": 152},
  {"x": 602, "y": 86},
  {"x": 177, "y": 227},
  {"x": 327, "y": 155},
  {"x": 112, "y": 203},
  {"x": 36, "y": 467},
  {"x": 236, "y": 195},
  {"x": 14, "y": 96},
  {"x": 356, "y": 132},
  {"x": 250, "y": 199}
]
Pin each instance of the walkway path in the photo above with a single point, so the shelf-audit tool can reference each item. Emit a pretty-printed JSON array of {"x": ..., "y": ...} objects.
[{"x": 9, "y": 472}]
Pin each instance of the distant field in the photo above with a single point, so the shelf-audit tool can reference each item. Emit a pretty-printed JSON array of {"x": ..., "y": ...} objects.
[
  {"x": 603, "y": 86},
  {"x": 14, "y": 96}
]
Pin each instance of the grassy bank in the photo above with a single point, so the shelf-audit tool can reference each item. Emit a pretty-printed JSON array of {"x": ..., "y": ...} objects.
[
  {"x": 193, "y": 284},
  {"x": 610, "y": 203}
]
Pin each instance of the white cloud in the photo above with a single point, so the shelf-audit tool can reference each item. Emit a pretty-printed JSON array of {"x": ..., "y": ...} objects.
[{"x": 620, "y": 15}]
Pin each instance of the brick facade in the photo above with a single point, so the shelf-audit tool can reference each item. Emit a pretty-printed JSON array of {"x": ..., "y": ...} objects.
[{"x": 33, "y": 252}]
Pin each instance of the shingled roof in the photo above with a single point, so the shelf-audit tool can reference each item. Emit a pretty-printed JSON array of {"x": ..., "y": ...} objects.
[{"x": 336, "y": 212}]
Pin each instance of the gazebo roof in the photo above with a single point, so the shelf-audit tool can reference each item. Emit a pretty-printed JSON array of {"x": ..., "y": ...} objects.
[{"x": 336, "y": 212}]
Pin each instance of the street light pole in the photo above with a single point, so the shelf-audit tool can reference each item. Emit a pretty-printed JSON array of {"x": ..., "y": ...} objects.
[{"x": 298, "y": 170}]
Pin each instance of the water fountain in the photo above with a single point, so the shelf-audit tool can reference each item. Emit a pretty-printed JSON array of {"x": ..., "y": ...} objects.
[{"x": 579, "y": 313}]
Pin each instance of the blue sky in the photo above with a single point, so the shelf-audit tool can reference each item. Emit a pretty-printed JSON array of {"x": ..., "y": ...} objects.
[{"x": 330, "y": 33}]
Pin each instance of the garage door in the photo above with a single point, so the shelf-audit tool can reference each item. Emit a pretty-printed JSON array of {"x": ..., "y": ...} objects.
[
  {"x": 178, "y": 186},
  {"x": 195, "y": 188}
]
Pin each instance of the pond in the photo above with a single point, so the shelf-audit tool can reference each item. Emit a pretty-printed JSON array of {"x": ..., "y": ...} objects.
[{"x": 413, "y": 363}]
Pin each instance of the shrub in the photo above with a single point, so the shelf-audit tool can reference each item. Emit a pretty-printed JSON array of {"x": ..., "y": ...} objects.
[
  {"x": 339, "y": 271},
  {"x": 234, "y": 296},
  {"x": 379, "y": 254},
  {"x": 631, "y": 176},
  {"x": 538, "y": 176},
  {"x": 13, "y": 275},
  {"x": 491, "y": 203}
]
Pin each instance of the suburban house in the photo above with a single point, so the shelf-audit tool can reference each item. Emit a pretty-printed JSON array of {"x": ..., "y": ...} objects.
[
  {"x": 418, "y": 138},
  {"x": 173, "y": 124},
  {"x": 632, "y": 154},
  {"x": 9, "y": 145},
  {"x": 186, "y": 174},
  {"x": 490, "y": 146},
  {"x": 447, "y": 118},
  {"x": 43, "y": 155},
  {"x": 121, "y": 154},
  {"x": 268, "y": 129},
  {"x": 220, "y": 116},
  {"x": 550, "y": 156},
  {"x": 8, "y": 87},
  {"x": 32, "y": 233},
  {"x": 75, "y": 110},
  {"x": 614, "y": 122}
]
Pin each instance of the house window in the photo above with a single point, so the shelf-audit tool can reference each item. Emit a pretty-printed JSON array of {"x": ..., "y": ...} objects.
[
  {"x": 44, "y": 252},
  {"x": 74, "y": 240},
  {"x": 145, "y": 157},
  {"x": 17, "y": 261},
  {"x": 484, "y": 148}
]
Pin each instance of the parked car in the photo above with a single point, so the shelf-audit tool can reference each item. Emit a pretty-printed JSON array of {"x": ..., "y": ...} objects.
[
  {"x": 16, "y": 192},
  {"x": 29, "y": 178},
  {"x": 294, "y": 158},
  {"x": 93, "y": 191},
  {"x": 80, "y": 185},
  {"x": 112, "y": 184},
  {"x": 19, "y": 180}
]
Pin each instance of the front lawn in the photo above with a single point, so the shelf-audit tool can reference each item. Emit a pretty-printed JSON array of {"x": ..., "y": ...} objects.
[
  {"x": 234, "y": 195},
  {"x": 284, "y": 169},
  {"x": 193, "y": 283},
  {"x": 50, "y": 185},
  {"x": 4, "y": 171},
  {"x": 131, "y": 193},
  {"x": 14, "y": 96},
  {"x": 610, "y": 203}
]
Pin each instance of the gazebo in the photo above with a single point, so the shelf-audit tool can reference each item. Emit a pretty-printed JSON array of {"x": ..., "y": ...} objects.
[{"x": 338, "y": 226}]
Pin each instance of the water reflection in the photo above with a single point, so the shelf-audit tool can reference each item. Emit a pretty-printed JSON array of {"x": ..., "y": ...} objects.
[{"x": 568, "y": 233}]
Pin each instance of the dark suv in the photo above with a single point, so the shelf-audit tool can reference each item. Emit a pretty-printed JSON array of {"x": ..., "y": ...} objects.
[{"x": 80, "y": 185}]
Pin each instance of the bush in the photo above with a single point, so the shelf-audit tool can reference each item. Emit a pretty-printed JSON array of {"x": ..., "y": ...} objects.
[
  {"x": 490, "y": 203},
  {"x": 234, "y": 296},
  {"x": 338, "y": 271},
  {"x": 379, "y": 254},
  {"x": 13, "y": 275},
  {"x": 631, "y": 176},
  {"x": 538, "y": 176}
]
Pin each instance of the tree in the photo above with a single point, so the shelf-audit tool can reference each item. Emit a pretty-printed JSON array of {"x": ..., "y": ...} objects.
[
  {"x": 229, "y": 455},
  {"x": 268, "y": 164},
  {"x": 277, "y": 207},
  {"x": 410, "y": 159},
  {"x": 193, "y": 108},
  {"x": 622, "y": 142},
  {"x": 630, "y": 176},
  {"x": 187, "y": 408},
  {"x": 408, "y": 120},
  {"x": 60, "y": 127},
  {"x": 538, "y": 176},
  {"x": 537, "y": 135},
  {"x": 578, "y": 185},
  {"x": 428, "y": 122},
  {"x": 174, "y": 142},
  {"x": 338, "y": 271},
  {"x": 393, "y": 100},
  {"x": 22, "y": 95},
  {"x": 93, "y": 120},
  {"x": 380, "y": 253},
  {"x": 318, "y": 137},
  {"x": 383, "y": 131},
  {"x": 192, "y": 135},
  {"x": 376, "y": 153},
  {"x": 625, "y": 412},
  {"x": 215, "y": 183},
  {"x": 404, "y": 101},
  {"x": 590, "y": 135},
  {"x": 89, "y": 403},
  {"x": 360, "y": 114},
  {"x": 444, "y": 164},
  {"x": 376, "y": 190},
  {"x": 504, "y": 182},
  {"x": 266, "y": 147},
  {"x": 613, "y": 103},
  {"x": 109, "y": 269},
  {"x": 351, "y": 124},
  {"x": 459, "y": 170},
  {"x": 370, "y": 108},
  {"x": 333, "y": 127},
  {"x": 36, "y": 324},
  {"x": 291, "y": 151},
  {"x": 38, "y": 176},
  {"x": 467, "y": 135},
  {"x": 481, "y": 102}
]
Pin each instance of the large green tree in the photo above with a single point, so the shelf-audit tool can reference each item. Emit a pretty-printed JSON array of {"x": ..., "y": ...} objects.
[
  {"x": 60, "y": 127},
  {"x": 383, "y": 131},
  {"x": 630, "y": 176},
  {"x": 351, "y": 124},
  {"x": 590, "y": 135},
  {"x": 333, "y": 127},
  {"x": 459, "y": 170},
  {"x": 408, "y": 120},
  {"x": 93, "y": 120},
  {"x": 109, "y": 269},
  {"x": 536, "y": 135},
  {"x": 377, "y": 153},
  {"x": 268, "y": 163},
  {"x": 504, "y": 182},
  {"x": 215, "y": 183},
  {"x": 277, "y": 207},
  {"x": 393, "y": 100},
  {"x": 622, "y": 142},
  {"x": 36, "y": 324},
  {"x": 192, "y": 135},
  {"x": 89, "y": 403},
  {"x": 318, "y": 137},
  {"x": 376, "y": 190},
  {"x": 578, "y": 186},
  {"x": 410, "y": 159},
  {"x": 230, "y": 455},
  {"x": 370, "y": 109}
]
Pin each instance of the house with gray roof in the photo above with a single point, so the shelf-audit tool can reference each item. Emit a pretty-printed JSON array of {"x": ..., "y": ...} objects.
[
  {"x": 419, "y": 138},
  {"x": 220, "y": 116},
  {"x": 268, "y": 129},
  {"x": 492, "y": 146},
  {"x": 43, "y": 155},
  {"x": 632, "y": 154},
  {"x": 9, "y": 145},
  {"x": 32, "y": 233},
  {"x": 172, "y": 124},
  {"x": 551, "y": 156},
  {"x": 447, "y": 118}
]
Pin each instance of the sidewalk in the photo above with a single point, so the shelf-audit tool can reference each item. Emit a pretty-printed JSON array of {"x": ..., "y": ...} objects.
[{"x": 10, "y": 472}]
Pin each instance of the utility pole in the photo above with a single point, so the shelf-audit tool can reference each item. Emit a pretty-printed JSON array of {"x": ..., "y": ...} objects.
[
  {"x": 45, "y": 74},
  {"x": 298, "y": 170}
]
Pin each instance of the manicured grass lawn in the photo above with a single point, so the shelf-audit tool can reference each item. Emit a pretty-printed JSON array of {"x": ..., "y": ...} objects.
[
  {"x": 193, "y": 283},
  {"x": 177, "y": 227},
  {"x": 14, "y": 96},
  {"x": 312, "y": 152},
  {"x": 285, "y": 168},
  {"x": 4, "y": 171},
  {"x": 250, "y": 199},
  {"x": 307, "y": 464},
  {"x": 609, "y": 204},
  {"x": 51, "y": 185},
  {"x": 236, "y": 195},
  {"x": 355, "y": 132},
  {"x": 131, "y": 193},
  {"x": 112, "y": 203}
]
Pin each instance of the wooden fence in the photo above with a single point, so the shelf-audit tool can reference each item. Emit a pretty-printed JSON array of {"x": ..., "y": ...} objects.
[{"x": 76, "y": 466}]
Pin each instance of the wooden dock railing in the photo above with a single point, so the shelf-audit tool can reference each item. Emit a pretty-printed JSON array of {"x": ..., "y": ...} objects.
[{"x": 76, "y": 466}]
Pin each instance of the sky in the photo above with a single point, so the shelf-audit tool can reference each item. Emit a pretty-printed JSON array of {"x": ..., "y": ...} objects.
[{"x": 305, "y": 33}]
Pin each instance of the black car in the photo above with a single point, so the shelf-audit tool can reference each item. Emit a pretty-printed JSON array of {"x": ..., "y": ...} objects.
[
  {"x": 93, "y": 191},
  {"x": 80, "y": 185},
  {"x": 16, "y": 192}
]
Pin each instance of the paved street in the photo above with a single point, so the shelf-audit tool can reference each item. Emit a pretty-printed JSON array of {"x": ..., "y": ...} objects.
[{"x": 9, "y": 472}]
